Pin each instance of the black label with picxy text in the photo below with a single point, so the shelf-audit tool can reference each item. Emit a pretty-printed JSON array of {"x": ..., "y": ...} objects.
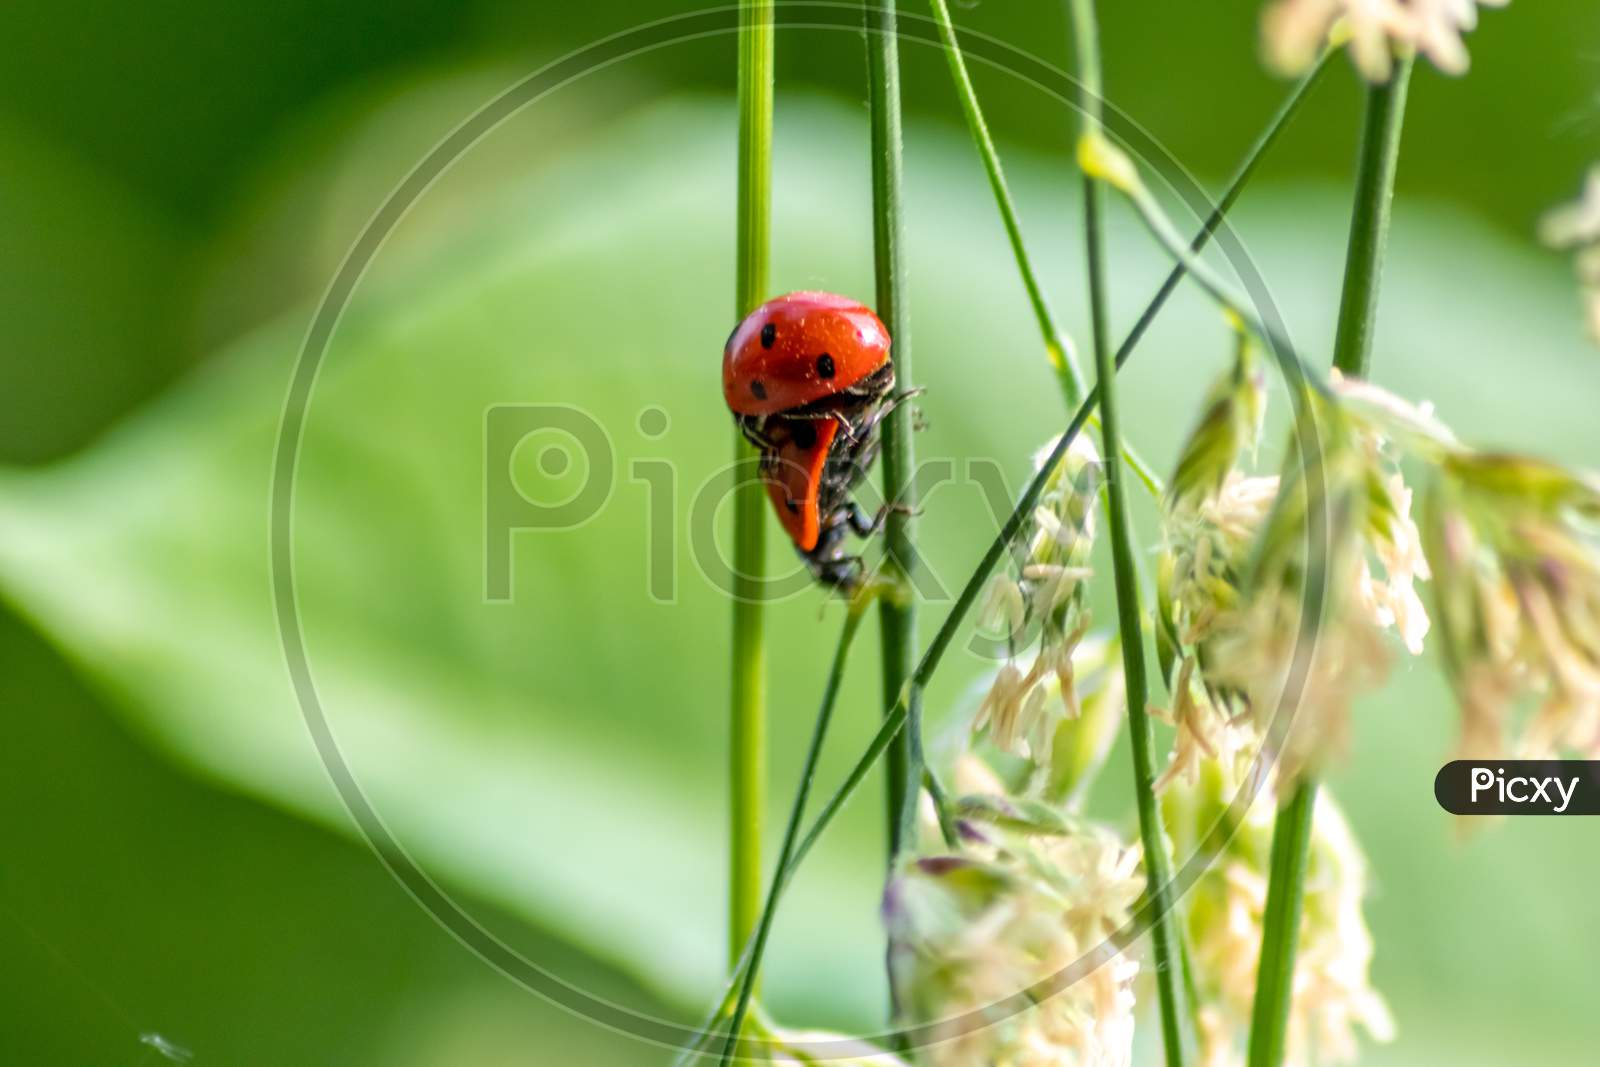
[{"x": 1519, "y": 787}]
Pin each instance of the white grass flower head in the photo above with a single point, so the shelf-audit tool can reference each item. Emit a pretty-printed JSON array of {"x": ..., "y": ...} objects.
[
  {"x": 1239, "y": 611},
  {"x": 1233, "y": 575},
  {"x": 1333, "y": 998},
  {"x": 1041, "y": 603},
  {"x": 1385, "y": 427},
  {"x": 1055, "y": 565},
  {"x": 1211, "y": 517},
  {"x": 972, "y": 939},
  {"x": 1051, "y": 724},
  {"x": 1206, "y": 553},
  {"x": 1294, "y": 32},
  {"x": 1211, "y": 512},
  {"x": 1576, "y": 226},
  {"x": 1262, "y": 654},
  {"x": 1515, "y": 548}
]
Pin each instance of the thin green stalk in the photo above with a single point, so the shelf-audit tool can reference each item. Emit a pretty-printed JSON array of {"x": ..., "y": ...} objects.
[
  {"x": 1157, "y": 865},
  {"x": 808, "y": 772},
  {"x": 1236, "y": 184},
  {"x": 897, "y": 617},
  {"x": 1286, "y": 881},
  {"x": 1352, "y": 354},
  {"x": 747, "y": 748},
  {"x": 750, "y": 959},
  {"x": 1369, "y": 221},
  {"x": 1057, "y": 345}
]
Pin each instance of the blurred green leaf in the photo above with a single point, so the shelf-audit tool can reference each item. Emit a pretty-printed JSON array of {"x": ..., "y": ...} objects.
[{"x": 563, "y": 754}]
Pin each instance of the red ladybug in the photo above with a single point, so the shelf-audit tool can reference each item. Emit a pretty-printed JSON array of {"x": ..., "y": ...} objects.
[{"x": 806, "y": 376}]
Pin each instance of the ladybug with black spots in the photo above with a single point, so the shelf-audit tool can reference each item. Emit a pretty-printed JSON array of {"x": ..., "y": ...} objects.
[{"x": 808, "y": 378}]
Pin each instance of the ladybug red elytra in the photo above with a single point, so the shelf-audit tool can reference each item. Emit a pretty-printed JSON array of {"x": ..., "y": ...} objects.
[{"x": 806, "y": 376}]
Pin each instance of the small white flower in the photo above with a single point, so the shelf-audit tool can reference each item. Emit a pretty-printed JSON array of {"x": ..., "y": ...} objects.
[
  {"x": 1394, "y": 600},
  {"x": 1052, "y": 585},
  {"x": 1295, "y": 31},
  {"x": 1003, "y": 604},
  {"x": 1032, "y": 724},
  {"x": 1576, "y": 226},
  {"x": 1438, "y": 26},
  {"x": 1578, "y": 223},
  {"x": 1059, "y": 660},
  {"x": 1017, "y": 709},
  {"x": 1002, "y": 707},
  {"x": 1203, "y": 731}
]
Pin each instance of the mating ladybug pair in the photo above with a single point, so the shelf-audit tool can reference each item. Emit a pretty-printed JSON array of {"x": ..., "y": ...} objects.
[{"x": 808, "y": 378}]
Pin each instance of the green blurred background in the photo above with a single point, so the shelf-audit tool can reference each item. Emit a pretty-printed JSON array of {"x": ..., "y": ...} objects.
[{"x": 180, "y": 184}]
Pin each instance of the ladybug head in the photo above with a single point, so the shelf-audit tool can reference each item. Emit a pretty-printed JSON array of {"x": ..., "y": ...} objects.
[{"x": 798, "y": 349}]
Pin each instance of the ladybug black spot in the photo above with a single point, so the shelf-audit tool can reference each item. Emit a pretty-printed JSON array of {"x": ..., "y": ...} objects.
[
  {"x": 792, "y": 504},
  {"x": 805, "y": 435},
  {"x": 758, "y": 390},
  {"x": 769, "y": 334},
  {"x": 825, "y": 367}
]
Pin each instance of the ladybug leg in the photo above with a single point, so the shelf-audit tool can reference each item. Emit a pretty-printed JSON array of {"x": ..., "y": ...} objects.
[
  {"x": 893, "y": 402},
  {"x": 867, "y": 527},
  {"x": 754, "y": 429},
  {"x": 900, "y": 398},
  {"x": 849, "y": 517},
  {"x": 842, "y": 572},
  {"x": 861, "y": 523},
  {"x": 875, "y": 385},
  {"x": 846, "y": 429},
  {"x": 835, "y": 525}
]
